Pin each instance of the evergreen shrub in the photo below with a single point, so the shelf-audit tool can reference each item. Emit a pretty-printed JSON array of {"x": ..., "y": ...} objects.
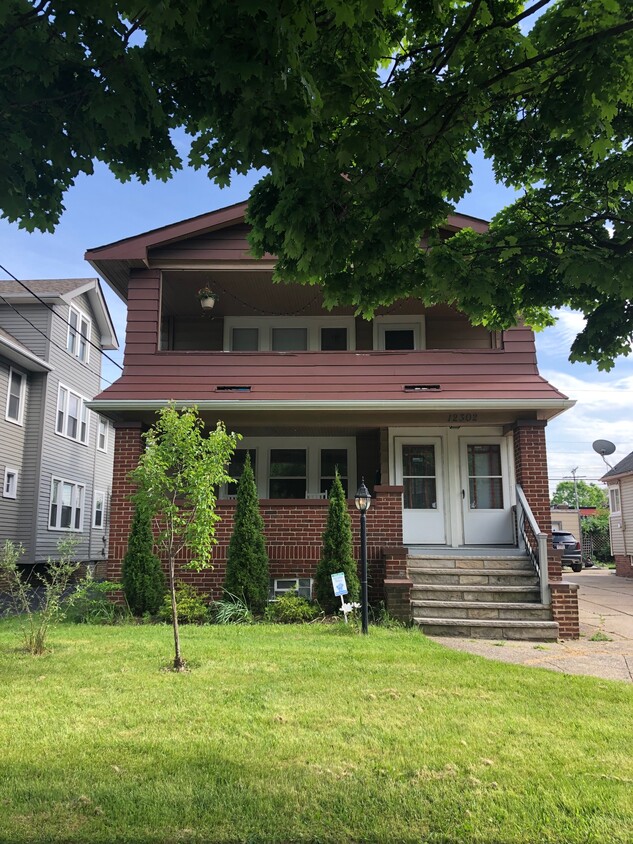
[
  {"x": 337, "y": 552},
  {"x": 142, "y": 577}
]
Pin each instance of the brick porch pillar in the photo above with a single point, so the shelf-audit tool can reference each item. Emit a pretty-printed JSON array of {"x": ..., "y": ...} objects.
[{"x": 128, "y": 447}]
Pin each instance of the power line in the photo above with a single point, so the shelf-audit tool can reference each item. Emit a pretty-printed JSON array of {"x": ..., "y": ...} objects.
[{"x": 59, "y": 316}]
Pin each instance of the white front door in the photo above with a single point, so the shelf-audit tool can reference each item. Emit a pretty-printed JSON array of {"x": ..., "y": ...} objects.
[
  {"x": 486, "y": 505},
  {"x": 419, "y": 468}
]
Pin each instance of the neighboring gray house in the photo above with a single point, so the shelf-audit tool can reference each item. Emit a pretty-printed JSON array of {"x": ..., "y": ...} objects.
[
  {"x": 55, "y": 455},
  {"x": 620, "y": 483}
]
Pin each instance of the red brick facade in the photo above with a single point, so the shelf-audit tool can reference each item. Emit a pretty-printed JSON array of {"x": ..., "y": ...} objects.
[
  {"x": 293, "y": 529},
  {"x": 624, "y": 565}
]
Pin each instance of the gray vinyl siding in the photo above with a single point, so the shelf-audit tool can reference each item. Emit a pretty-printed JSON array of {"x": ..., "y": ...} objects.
[
  {"x": 29, "y": 336},
  {"x": 68, "y": 459},
  {"x": 621, "y": 524},
  {"x": 12, "y": 438}
]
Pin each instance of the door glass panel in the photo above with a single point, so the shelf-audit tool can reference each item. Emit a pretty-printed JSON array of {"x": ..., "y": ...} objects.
[
  {"x": 485, "y": 486},
  {"x": 418, "y": 477}
]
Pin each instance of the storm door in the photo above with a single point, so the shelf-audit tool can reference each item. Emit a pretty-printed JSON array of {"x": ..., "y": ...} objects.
[
  {"x": 485, "y": 491},
  {"x": 419, "y": 470}
]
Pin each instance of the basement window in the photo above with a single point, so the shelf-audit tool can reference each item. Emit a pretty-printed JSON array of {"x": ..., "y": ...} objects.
[{"x": 281, "y": 586}]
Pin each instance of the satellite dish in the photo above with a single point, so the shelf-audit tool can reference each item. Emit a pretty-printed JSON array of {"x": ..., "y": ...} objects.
[{"x": 603, "y": 447}]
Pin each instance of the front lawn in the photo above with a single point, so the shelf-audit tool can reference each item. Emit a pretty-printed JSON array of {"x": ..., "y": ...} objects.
[{"x": 282, "y": 734}]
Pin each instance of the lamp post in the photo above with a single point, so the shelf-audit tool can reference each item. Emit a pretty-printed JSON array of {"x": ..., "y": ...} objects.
[{"x": 362, "y": 499}]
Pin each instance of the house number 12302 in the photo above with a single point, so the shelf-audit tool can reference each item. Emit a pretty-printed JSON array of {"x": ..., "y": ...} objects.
[{"x": 462, "y": 417}]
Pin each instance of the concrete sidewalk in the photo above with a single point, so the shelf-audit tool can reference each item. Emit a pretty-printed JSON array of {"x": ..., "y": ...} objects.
[{"x": 606, "y": 612}]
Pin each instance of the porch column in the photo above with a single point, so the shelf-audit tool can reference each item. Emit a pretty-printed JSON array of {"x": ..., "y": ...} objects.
[{"x": 128, "y": 447}]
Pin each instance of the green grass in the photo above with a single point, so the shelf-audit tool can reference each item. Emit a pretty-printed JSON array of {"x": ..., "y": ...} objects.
[{"x": 282, "y": 734}]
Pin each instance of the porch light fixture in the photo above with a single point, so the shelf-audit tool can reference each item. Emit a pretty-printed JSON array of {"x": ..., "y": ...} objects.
[
  {"x": 207, "y": 298},
  {"x": 362, "y": 500}
]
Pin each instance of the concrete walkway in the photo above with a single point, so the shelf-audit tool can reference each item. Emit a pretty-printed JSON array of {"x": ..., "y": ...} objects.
[{"x": 605, "y": 647}]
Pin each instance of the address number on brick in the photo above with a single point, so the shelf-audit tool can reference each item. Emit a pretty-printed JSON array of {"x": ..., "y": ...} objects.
[{"x": 462, "y": 417}]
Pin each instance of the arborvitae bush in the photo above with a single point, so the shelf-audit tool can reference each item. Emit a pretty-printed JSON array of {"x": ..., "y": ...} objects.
[
  {"x": 247, "y": 574},
  {"x": 337, "y": 552},
  {"x": 142, "y": 576}
]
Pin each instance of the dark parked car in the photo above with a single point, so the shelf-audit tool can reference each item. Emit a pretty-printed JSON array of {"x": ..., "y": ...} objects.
[{"x": 567, "y": 542}]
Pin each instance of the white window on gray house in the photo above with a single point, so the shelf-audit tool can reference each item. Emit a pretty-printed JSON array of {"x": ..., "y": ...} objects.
[
  {"x": 102, "y": 435},
  {"x": 67, "y": 505},
  {"x": 614, "y": 499},
  {"x": 15, "y": 396},
  {"x": 10, "y": 487},
  {"x": 78, "y": 334},
  {"x": 99, "y": 509},
  {"x": 287, "y": 477},
  {"x": 72, "y": 416}
]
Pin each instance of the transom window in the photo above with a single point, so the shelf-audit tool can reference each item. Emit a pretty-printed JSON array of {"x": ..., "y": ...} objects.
[
  {"x": 15, "y": 396},
  {"x": 67, "y": 505},
  {"x": 614, "y": 499},
  {"x": 78, "y": 334},
  {"x": 72, "y": 416},
  {"x": 290, "y": 334}
]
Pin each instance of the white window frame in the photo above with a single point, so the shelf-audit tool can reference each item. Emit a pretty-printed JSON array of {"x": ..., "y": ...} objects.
[
  {"x": 12, "y": 490},
  {"x": 102, "y": 422},
  {"x": 386, "y": 322},
  {"x": 614, "y": 492},
  {"x": 74, "y": 336},
  {"x": 20, "y": 417},
  {"x": 313, "y": 324},
  {"x": 277, "y": 593},
  {"x": 99, "y": 496},
  {"x": 313, "y": 446},
  {"x": 78, "y": 502},
  {"x": 82, "y": 419}
]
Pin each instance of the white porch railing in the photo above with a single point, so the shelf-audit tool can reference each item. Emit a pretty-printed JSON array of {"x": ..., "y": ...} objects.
[{"x": 532, "y": 538}]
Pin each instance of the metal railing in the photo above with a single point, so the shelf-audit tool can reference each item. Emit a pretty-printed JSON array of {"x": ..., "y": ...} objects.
[{"x": 532, "y": 538}]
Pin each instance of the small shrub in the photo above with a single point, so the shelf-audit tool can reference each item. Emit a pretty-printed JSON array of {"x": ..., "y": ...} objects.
[
  {"x": 38, "y": 608},
  {"x": 90, "y": 602},
  {"x": 382, "y": 617},
  {"x": 192, "y": 606},
  {"x": 231, "y": 611},
  {"x": 291, "y": 609},
  {"x": 142, "y": 577}
]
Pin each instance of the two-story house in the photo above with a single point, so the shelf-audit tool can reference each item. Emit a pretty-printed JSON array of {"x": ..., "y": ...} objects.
[
  {"x": 56, "y": 455},
  {"x": 443, "y": 420}
]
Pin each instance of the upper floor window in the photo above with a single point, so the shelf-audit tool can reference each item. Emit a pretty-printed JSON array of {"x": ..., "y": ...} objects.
[
  {"x": 72, "y": 416},
  {"x": 396, "y": 332},
  {"x": 15, "y": 396},
  {"x": 289, "y": 334},
  {"x": 102, "y": 435},
  {"x": 10, "y": 488},
  {"x": 78, "y": 334},
  {"x": 614, "y": 499},
  {"x": 67, "y": 505}
]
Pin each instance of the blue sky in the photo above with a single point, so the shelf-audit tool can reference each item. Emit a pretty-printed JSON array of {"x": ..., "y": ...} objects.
[{"x": 100, "y": 210}]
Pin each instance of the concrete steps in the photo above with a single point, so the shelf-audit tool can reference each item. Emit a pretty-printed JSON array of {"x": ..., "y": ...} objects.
[{"x": 478, "y": 596}]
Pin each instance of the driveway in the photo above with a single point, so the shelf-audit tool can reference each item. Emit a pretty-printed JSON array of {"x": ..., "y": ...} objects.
[{"x": 605, "y": 647}]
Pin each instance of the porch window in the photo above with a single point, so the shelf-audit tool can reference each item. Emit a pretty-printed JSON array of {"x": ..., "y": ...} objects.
[
  {"x": 334, "y": 339},
  {"x": 484, "y": 477},
  {"x": 288, "y": 478},
  {"x": 245, "y": 339},
  {"x": 333, "y": 459},
  {"x": 289, "y": 339},
  {"x": 418, "y": 477},
  {"x": 236, "y": 467}
]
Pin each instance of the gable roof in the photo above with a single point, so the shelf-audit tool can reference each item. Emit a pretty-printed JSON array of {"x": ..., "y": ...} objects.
[
  {"x": 16, "y": 352},
  {"x": 624, "y": 467},
  {"x": 115, "y": 260},
  {"x": 58, "y": 290}
]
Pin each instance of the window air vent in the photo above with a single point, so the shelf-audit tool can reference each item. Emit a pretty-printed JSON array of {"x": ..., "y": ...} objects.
[
  {"x": 233, "y": 388},
  {"x": 420, "y": 388}
]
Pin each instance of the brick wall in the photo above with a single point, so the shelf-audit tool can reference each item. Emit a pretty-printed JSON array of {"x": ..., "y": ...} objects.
[
  {"x": 293, "y": 528},
  {"x": 624, "y": 565},
  {"x": 565, "y": 609}
]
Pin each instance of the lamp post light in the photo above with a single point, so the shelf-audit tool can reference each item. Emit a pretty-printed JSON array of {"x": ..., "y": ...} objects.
[{"x": 362, "y": 499}]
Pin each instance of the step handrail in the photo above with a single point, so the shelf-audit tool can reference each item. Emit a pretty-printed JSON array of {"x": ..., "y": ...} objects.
[{"x": 535, "y": 542}]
